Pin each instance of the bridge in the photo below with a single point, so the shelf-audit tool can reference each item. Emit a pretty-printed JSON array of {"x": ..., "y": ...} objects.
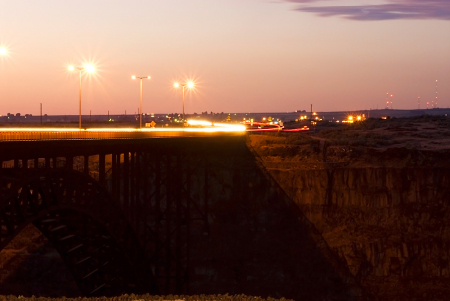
[{"x": 178, "y": 213}]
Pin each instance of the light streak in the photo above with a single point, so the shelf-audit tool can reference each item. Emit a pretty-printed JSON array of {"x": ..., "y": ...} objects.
[
  {"x": 199, "y": 122},
  {"x": 208, "y": 127}
]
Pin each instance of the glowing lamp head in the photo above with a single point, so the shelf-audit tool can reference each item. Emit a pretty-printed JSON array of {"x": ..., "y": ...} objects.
[
  {"x": 190, "y": 85},
  {"x": 3, "y": 50},
  {"x": 89, "y": 68},
  {"x": 149, "y": 77},
  {"x": 133, "y": 77},
  {"x": 176, "y": 85},
  {"x": 71, "y": 68},
  {"x": 350, "y": 117}
]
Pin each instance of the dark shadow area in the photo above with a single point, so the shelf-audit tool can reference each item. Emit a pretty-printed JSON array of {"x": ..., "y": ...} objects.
[
  {"x": 260, "y": 243},
  {"x": 255, "y": 241},
  {"x": 30, "y": 265}
]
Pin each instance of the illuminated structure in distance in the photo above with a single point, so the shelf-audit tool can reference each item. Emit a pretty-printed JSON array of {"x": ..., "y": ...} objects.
[
  {"x": 436, "y": 96},
  {"x": 90, "y": 69}
]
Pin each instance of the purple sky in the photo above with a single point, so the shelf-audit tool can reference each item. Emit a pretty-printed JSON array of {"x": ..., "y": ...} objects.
[{"x": 245, "y": 55}]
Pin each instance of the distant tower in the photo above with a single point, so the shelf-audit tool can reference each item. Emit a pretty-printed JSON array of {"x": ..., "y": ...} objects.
[
  {"x": 436, "y": 96},
  {"x": 418, "y": 102},
  {"x": 387, "y": 100}
]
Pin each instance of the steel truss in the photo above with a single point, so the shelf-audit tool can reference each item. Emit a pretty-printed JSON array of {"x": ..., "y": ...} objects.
[
  {"x": 168, "y": 194},
  {"x": 82, "y": 222}
]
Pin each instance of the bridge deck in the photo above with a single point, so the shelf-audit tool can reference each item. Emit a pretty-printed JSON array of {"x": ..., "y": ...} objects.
[{"x": 115, "y": 133}]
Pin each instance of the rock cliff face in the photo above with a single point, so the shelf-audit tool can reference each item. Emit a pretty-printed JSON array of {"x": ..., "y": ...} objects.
[{"x": 390, "y": 225}]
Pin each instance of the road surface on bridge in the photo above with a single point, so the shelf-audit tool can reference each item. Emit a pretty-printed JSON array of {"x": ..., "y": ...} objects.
[{"x": 195, "y": 130}]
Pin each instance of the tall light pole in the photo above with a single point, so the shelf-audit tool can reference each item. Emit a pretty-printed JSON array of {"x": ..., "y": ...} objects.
[
  {"x": 140, "y": 97},
  {"x": 3, "y": 51},
  {"x": 189, "y": 85},
  {"x": 87, "y": 68}
]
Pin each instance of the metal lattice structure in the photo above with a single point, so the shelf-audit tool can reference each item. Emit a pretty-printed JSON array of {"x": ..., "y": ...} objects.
[
  {"x": 124, "y": 217},
  {"x": 79, "y": 218}
]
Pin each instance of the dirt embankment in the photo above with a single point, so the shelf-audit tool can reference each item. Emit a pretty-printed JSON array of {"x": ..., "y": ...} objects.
[{"x": 380, "y": 195}]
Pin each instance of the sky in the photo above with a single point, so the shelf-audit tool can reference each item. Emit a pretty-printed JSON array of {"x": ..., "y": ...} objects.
[{"x": 244, "y": 55}]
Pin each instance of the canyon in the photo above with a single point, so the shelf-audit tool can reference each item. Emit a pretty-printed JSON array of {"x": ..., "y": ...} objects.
[{"x": 378, "y": 192}]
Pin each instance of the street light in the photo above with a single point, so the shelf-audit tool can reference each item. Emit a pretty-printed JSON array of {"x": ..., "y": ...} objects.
[
  {"x": 140, "y": 97},
  {"x": 189, "y": 85},
  {"x": 3, "y": 51},
  {"x": 88, "y": 68}
]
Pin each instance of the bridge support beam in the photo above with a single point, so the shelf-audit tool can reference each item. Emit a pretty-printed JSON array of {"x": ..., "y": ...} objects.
[
  {"x": 132, "y": 180},
  {"x": 69, "y": 162},
  {"x": 101, "y": 168},
  {"x": 126, "y": 182},
  {"x": 86, "y": 164}
]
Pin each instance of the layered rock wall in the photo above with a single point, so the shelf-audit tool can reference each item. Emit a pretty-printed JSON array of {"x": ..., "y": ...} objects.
[{"x": 390, "y": 226}]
